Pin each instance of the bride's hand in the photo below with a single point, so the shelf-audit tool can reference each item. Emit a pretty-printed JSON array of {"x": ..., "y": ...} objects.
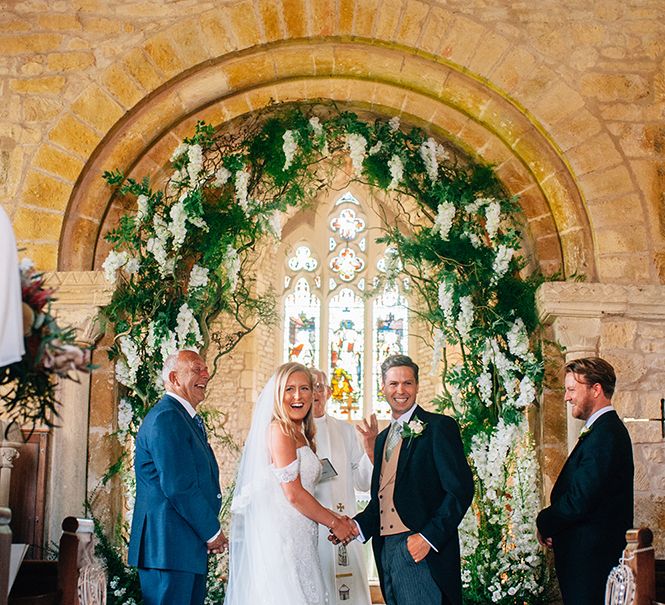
[{"x": 344, "y": 529}]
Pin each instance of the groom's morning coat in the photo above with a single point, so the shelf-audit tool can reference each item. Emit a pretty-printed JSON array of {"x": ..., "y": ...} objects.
[
  {"x": 591, "y": 509},
  {"x": 177, "y": 492},
  {"x": 433, "y": 490}
]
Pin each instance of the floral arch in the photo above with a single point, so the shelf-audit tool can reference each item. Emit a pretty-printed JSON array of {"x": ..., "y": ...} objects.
[{"x": 181, "y": 258}]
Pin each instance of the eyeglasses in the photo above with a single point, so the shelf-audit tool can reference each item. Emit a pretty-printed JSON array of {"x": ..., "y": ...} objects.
[{"x": 319, "y": 386}]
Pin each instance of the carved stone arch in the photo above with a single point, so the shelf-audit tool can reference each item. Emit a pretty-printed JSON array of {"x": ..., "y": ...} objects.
[{"x": 424, "y": 90}]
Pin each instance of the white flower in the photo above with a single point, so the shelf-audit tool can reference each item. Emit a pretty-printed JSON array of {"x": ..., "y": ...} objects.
[
  {"x": 501, "y": 262},
  {"x": 156, "y": 247},
  {"x": 241, "y": 184},
  {"x": 393, "y": 123},
  {"x": 186, "y": 326},
  {"x": 374, "y": 149},
  {"x": 527, "y": 393},
  {"x": 465, "y": 318},
  {"x": 416, "y": 426},
  {"x": 142, "y": 207},
  {"x": 446, "y": 300},
  {"x": 125, "y": 369},
  {"x": 113, "y": 262},
  {"x": 232, "y": 265},
  {"x": 444, "y": 220},
  {"x": 289, "y": 147},
  {"x": 485, "y": 387},
  {"x": 195, "y": 155},
  {"x": 396, "y": 171},
  {"x": 178, "y": 151},
  {"x": 168, "y": 346},
  {"x": 26, "y": 265},
  {"x": 315, "y": 123},
  {"x": 198, "y": 277},
  {"x": 493, "y": 215},
  {"x": 356, "y": 144},
  {"x": 151, "y": 340},
  {"x": 276, "y": 224},
  {"x": 437, "y": 350},
  {"x": 124, "y": 415},
  {"x": 133, "y": 265},
  {"x": 430, "y": 151},
  {"x": 178, "y": 226},
  {"x": 222, "y": 176},
  {"x": 518, "y": 340}
]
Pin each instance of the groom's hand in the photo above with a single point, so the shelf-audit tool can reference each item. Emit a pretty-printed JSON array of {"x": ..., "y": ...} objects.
[
  {"x": 368, "y": 431},
  {"x": 418, "y": 547},
  {"x": 344, "y": 530},
  {"x": 218, "y": 545}
]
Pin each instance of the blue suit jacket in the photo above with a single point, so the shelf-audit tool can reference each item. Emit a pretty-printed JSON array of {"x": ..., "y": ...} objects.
[
  {"x": 433, "y": 490},
  {"x": 177, "y": 492}
]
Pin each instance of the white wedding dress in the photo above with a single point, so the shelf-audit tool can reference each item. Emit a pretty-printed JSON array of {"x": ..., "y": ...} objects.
[{"x": 273, "y": 548}]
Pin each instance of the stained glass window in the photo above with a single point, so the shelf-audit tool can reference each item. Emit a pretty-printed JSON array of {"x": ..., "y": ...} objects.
[
  {"x": 389, "y": 337},
  {"x": 346, "y": 264},
  {"x": 347, "y": 224},
  {"x": 347, "y": 344},
  {"x": 302, "y": 316},
  {"x": 303, "y": 259}
]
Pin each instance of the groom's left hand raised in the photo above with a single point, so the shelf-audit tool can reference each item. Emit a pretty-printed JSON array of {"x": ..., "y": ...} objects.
[{"x": 418, "y": 547}]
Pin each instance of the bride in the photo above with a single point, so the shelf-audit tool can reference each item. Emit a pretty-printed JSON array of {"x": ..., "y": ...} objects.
[{"x": 274, "y": 523}]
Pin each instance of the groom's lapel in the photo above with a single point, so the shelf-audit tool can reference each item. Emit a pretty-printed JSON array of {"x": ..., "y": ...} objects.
[{"x": 408, "y": 446}]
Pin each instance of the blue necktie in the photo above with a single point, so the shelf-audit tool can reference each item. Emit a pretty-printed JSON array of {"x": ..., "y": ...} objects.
[{"x": 199, "y": 423}]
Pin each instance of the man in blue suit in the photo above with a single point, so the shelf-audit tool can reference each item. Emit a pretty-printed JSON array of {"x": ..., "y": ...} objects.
[
  {"x": 178, "y": 498},
  {"x": 421, "y": 487},
  {"x": 591, "y": 505}
]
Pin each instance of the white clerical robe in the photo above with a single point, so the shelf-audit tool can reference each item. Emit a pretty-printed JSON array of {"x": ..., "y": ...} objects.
[
  {"x": 344, "y": 570},
  {"x": 11, "y": 314}
]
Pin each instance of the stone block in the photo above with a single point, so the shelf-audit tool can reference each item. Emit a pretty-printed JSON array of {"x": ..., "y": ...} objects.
[
  {"x": 488, "y": 54},
  {"x": 215, "y": 34},
  {"x": 617, "y": 334},
  {"x": 121, "y": 87},
  {"x": 558, "y": 102},
  {"x": 412, "y": 22},
  {"x": 435, "y": 29},
  {"x": 604, "y": 183},
  {"x": 165, "y": 55},
  {"x": 41, "y": 109},
  {"x": 93, "y": 24},
  {"x": 249, "y": 71},
  {"x": 46, "y": 192},
  {"x": 63, "y": 62},
  {"x": 461, "y": 40},
  {"x": 514, "y": 66},
  {"x": 187, "y": 37},
  {"x": 615, "y": 212},
  {"x": 424, "y": 76},
  {"x": 295, "y": 18},
  {"x": 77, "y": 254},
  {"x": 142, "y": 69},
  {"x": 365, "y": 17},
  {"x": 323, "y": 17},
  {"x": 624, "y": 268},
  {"x": 74, "y": 136},
  {"x": 291, "y": 61},
  {"x": 387, "y": 19},
  {"x": 574, "y": 129},
  {"x": 54, "y": 21},
  {"x": 559, "y": 192},
  {"x": 96, "y": 108},
  {"x": 631, "y": 238},
  {"x": 44, "y": 255},
  {"x": 614, "y": 87},
  {"x": 47, "y": 85},
  {"x": 103, "y": 398},
  {"x": 29, "y": 44},
  {"x": 242, "y": 21},
  {"x": 271, "y": 20},
  {"x": 36, "y": 225},
  {"x": 577, "y": 253},
  {"x": 345, "y": 12}
]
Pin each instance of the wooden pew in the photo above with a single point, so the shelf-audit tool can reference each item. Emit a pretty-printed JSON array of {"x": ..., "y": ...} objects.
[{"x": 56, "y": 582}]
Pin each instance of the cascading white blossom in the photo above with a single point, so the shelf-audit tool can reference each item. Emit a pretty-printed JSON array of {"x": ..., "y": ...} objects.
[
  {"x": 289, "y": 147},
  {"x": 195, "y": 165},
  {"x": 186, "y": 326},
  {"x": 527, "y": 393},
  {"x": 316, "y": 126},
  {"x": 178, "y": 225},
  {"x": 444, "y": 220},
  {"x": 222, "y": 176},
  {"x": 114, "y": 261},
  {"x": 168, "y": 346},
  {"x": 133, "y": 265},
  {"x": 178, "y": 151},
  {"x": 493, "y": 218},
  {"x": 142, "y": 208},
  {"x": 393, "y": 124},
  {"x": 127, "y": 366},
  {"x": 439, "y": 343},
  {"x": 446, "y": 300},
  {"x": 198, "y": 277},
  {"x": 430, "y": 151},
  {"x": 241, "y": 185},
  {"x": 501, "y": 263},
  {"x": 125, "y": 415},
  {"x": 396, "y": 171},
  {"x": 485, "y": 387},
  {"x": 374, "y": 149},
  {"x": 231, "y": 264},
  {"x": 465, "y": 318},
  {"x": 152, "y": 339},
  {"x": 518, "y": 340},
  {"x": 357, "y": 145}
]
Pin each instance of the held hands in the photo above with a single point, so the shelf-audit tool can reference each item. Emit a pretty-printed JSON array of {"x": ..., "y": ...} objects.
[
  {"x": 369, "y": 431},
  {"x": 218, "y": 545},
  {"x": 343, "y": 530},
  {"x": 418, "y": 547}
]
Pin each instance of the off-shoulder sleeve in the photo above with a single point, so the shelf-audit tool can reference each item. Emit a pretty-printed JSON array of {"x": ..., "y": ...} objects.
[{"x": 287, "y": 473}]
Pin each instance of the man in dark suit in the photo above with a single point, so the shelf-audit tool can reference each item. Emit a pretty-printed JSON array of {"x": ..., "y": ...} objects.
[
  {"x": 592, "y": 500},
  {"x": 421, "y": 488},
  {"x": 178, "y": 497}
]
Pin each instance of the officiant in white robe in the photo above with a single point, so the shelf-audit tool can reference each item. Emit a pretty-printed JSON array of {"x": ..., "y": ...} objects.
[
  {"x": 344, "y": 568},
  {"x": 11, "y": 315}
]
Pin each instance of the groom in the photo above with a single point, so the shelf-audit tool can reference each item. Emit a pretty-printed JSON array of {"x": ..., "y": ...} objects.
[
  {"x": 178, "y": 498},
  {"x": 421, "y": 488}
]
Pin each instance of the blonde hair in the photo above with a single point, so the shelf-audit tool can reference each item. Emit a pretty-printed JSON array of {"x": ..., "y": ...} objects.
[{"x": 281, "y": 416}]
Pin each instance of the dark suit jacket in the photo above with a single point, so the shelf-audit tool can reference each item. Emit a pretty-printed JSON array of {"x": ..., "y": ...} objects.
[
  {"x": 591, "y": 509},
  {"x": 177, "y": 492},
  {"x": 433, "y": 490}
]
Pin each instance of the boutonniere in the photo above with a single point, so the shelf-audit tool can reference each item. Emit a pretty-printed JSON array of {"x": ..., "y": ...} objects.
[
  {"x": 585, "y": 431},
  {"x": 413, "y": 429}
]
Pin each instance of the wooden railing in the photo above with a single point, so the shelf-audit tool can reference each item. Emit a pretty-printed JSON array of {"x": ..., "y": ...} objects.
[
  {"x": 5, "y": 552},
  {"x": 639, "y": 556}
]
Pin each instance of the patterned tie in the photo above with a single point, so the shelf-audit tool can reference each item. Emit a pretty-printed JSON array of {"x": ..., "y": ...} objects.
[
  {"x": 393, "y": 439},
  {"x": 199, "y": 423}
]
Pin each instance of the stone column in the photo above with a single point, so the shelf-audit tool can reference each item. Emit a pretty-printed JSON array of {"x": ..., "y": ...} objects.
[{"x": 79, "y": 297}]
